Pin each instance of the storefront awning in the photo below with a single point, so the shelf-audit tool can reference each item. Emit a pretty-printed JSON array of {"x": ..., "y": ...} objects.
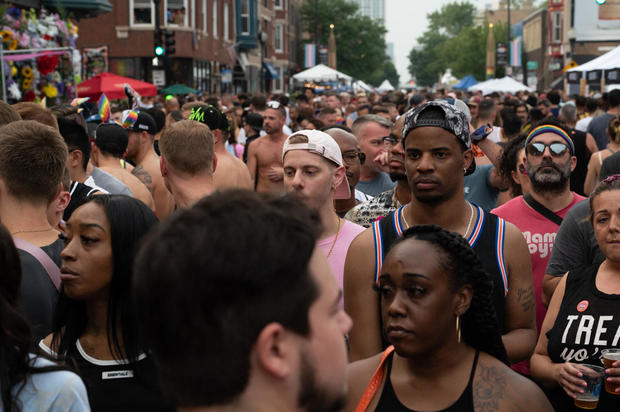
[
  {"x": 271, "y": 70},
  {"x": 81, "y": 7}
]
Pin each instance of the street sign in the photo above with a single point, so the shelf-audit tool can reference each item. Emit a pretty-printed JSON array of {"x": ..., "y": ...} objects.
[
  {"x": 159, "y": 77},
  {"x": 502, "y": 54},
  {"x": 532, "y": 65}
]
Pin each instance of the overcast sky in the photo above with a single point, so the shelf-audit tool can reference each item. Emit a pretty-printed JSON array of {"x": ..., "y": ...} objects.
[{"x": 405, "y": 21}]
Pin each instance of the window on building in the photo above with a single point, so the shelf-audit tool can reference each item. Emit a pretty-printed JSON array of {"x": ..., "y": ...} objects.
[
  {"x": 557, "y": 28},
  {"x": 278, "y": 4},
  {"x": 226, "y": 33},
  {"x": 278, "y": 35},
  {"x": 277, "y": 83},
  {"x": 214, "y": 17},
  {"x": 141, "y": 11},
  {"x": 176, "y": 12},
  {"x": 245, "y": 16},
  {"x": 203, "y": 9}
]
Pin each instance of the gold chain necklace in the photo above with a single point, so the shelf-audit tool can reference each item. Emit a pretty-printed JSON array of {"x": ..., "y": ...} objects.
[{"x": 335, "y": 238}]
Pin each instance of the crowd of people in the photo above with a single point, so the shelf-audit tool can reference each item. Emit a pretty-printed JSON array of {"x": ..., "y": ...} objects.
[{"x": 430, "y": 250}]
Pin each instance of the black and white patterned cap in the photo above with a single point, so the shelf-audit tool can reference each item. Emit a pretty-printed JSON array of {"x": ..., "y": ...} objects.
[{"x": 455, "y": 121}]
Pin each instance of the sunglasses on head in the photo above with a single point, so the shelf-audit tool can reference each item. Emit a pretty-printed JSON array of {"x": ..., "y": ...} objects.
[
  {"x": 273, "y": 104},
  {"x": 556, "y": 149}
]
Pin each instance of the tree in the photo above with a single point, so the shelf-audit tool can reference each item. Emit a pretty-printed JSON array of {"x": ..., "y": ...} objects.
[
  {"x": 360, "y": 40},
  {"x": 453, "y": 41}
]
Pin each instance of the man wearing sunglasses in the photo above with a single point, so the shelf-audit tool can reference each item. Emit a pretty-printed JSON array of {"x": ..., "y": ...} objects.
[{"x": 549, "y": 160}]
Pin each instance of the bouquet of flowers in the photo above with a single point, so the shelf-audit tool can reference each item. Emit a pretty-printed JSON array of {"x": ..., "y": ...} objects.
[{"x": 41, "y": 76}]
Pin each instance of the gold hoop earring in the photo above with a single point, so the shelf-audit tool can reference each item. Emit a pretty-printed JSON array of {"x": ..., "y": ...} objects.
[{"x": 458, "y": 329}]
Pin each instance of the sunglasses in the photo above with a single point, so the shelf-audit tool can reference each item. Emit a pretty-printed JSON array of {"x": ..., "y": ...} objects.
[
  {"x": 390, "y": 141},
  {"x": 273, "y": 104},
  {"x": 538, "y": 148}
]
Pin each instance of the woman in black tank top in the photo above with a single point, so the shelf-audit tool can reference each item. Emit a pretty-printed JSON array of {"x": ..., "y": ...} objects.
[
  {"x": 583, "y": 318},
  {"x": 439, "y": 316},
  {"x": 95, "y": 325}
]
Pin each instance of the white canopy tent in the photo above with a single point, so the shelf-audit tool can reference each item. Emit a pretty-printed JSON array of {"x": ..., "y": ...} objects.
[
  {"x": 505, "y": 84},
  {"x": 321, "y": 73},
  {"x": 361, "y": 86},
  {"x": 609, "y": 60},
  {"x": 386, "y": 86}
]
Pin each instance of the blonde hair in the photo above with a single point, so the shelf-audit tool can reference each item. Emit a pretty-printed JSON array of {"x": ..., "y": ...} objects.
[{"x": 187, "y": 145}]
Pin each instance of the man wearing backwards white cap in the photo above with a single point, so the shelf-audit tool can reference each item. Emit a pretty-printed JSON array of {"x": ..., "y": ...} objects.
[{"x": 313, "y": 169}]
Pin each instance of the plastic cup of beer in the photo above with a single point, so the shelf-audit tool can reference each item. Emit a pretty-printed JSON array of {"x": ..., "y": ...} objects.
[
  {"x": 593, "y": 376},
  {"x": 609, "y": 356}
]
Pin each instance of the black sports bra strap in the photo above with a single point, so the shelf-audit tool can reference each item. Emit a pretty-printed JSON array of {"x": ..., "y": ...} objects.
[{"x": 473, "y": 370}]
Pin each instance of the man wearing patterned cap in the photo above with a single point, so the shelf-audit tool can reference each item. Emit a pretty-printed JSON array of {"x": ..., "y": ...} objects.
[
  {"x": 437, "y": 156},
  {"x": 550, "y": 159}
]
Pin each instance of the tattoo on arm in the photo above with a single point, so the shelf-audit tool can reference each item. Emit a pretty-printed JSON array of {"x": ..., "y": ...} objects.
[
  {"x": 489, "y": 388},
  {"x": 526, "y": 298},
  {"x": 144, "y": 177}
]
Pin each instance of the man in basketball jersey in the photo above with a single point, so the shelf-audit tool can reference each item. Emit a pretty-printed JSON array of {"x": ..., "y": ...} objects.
[{"x": 437, "y": 157}]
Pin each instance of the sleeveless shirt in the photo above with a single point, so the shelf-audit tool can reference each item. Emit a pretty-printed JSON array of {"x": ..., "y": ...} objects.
[
  {"x": 389, "y": 402},
  {"x": 588, "y": 322},
  {"x": 486, "y": 239}
]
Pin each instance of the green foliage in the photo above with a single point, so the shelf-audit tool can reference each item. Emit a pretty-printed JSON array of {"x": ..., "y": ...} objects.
[
  {"x": 453, "y": 41},
  {"x": 360, "y": 41}
]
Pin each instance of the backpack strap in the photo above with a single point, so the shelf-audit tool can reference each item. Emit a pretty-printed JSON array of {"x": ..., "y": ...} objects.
[
  {"x": 374, "y": 383},
  {"x": 48, "y": 264}
]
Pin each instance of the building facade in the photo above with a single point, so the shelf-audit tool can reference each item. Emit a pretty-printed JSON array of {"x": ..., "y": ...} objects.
[
  {"x": 220, "y": 45},
  {"x": 375, "y": 9}
]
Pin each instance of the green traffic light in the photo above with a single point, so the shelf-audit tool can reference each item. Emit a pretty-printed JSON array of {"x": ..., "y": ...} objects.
[{"x": 159, "y": 51}]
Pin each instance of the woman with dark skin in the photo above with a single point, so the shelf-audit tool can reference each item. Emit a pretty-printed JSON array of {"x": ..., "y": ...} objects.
[
  {"x": 447, "y": 352},
  {"x": 95, "y": 324},
  {"x": 585, "y": 295},
  {"x": 28, "y": 380}
]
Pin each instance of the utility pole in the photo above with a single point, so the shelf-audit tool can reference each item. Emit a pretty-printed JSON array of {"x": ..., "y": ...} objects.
[
  {"x": 316, "y": 31},
  {"x": 509, "y": 66}
]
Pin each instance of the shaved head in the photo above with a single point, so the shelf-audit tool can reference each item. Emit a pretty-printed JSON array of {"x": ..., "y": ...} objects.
[{"x": 341, "y": 136}]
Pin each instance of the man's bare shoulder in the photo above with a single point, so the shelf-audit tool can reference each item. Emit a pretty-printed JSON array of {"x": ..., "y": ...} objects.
[{"x": 498, "y": 388}]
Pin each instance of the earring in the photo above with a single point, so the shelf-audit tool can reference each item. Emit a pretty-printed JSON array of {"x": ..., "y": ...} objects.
[
  {"x": 464, "y": 170},
  {"x": 458, "y": 329}
]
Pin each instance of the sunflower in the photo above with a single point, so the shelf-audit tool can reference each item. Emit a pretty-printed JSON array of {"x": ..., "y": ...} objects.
[
  {"x": 27, "y": 71},
  {"x": 13, "y": 44},
  {"x": 26, "y": 84},
  {"x": 6, "y": 35}
]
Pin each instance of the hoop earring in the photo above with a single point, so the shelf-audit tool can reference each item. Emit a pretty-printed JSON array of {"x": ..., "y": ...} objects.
[{"x": 458, "y": 329}]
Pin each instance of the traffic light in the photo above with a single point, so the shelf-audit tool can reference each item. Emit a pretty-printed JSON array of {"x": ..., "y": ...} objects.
[
  {"x": 158, "y": 42},
  {"x": 169, "y": 43}
]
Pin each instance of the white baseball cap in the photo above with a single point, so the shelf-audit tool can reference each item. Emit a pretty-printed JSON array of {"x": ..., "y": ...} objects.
[{"x": 322, "y": 144}]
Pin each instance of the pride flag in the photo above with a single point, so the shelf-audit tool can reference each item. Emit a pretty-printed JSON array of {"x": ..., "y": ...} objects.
[
  {"x": 130, "y": 119},
  {"x": 104, "y": 109}
]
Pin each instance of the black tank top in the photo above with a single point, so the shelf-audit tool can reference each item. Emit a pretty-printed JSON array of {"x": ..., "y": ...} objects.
[
  {"x": 389, "y": 401},
  {"x": 487, "y": 240},
  {"x": 588, "y": 321},
  {"x": 117, "y": 386}
]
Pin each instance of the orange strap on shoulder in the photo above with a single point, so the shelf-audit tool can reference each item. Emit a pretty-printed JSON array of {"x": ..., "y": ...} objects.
[{"x": 374, "y": 383}]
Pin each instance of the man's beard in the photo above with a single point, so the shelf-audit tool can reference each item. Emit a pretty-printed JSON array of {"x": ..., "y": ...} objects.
[
  {"x": 545, "y": 182},
  {"x": 397, "y": 176},
  {"x": 312, "y": 397}
]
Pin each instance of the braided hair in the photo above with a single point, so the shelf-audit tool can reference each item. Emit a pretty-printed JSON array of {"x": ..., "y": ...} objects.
[{"x": 480, "y": 328}]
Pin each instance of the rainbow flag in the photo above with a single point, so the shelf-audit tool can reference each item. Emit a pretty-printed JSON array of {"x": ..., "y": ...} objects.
[
  {"x": 130, "y": 119},
  {"x": 104, "y": 109}
]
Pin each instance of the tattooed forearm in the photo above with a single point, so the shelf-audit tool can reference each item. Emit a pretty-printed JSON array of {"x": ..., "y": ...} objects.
[
  {"x": 144, "y": 177},
  {"x": 525, "y": 297},
  {"x": 490, "y": 389}
]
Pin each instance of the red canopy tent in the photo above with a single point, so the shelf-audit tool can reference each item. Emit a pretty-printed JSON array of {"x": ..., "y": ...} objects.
[{"x": 112, "y": 86}]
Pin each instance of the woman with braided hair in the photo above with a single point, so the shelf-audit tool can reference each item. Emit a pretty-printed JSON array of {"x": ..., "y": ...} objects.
[{"x": 447, "y": 353}]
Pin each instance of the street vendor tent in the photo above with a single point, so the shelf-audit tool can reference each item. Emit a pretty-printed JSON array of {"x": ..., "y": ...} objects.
[
  {"x": 113, "y": 87},
  {"x": 505, "y": 84},
  {"x": 321, "y": 73},
  {"x": 605, "y": 66},
  {"x": 386, "y": 86},
  {"x": 359, "y": 85},
  {"x": 465, "y": 83}
]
